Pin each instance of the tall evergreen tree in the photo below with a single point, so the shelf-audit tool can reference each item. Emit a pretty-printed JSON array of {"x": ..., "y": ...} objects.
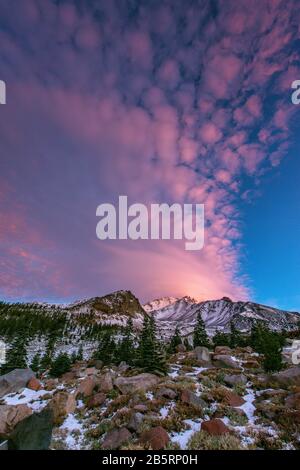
[
  {"x": 236, "y": 338},
  {"x": 151, "y": 356},
  {"x": 200, "y": 337},
  {"x": 175, "y": 341},
  {"x": 126, "y": 349},
  {"x": 60, "y": 365},
  {"x": 221, "y": 339},
  {"x": 16, "y": 357},
  {"x": 106, "y": 349},
  {"x": 35, "y": 364}
]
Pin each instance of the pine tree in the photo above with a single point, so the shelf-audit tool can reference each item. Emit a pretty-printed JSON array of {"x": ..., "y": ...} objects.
[
  {"x": 126, "y": 349},
  {"x": 151, "y": 356},
  {"x": 16, "y": 357},
  {"x": 236, "y": 338},
  {"x": 60, "y": 365},
  {"x": 80, "y": 353},
  {"x": 175, "y": 341},
  {"x": 200, "y": 337},
  {"x": 35, "y": 365},
  {"x": 221, "y": 339},
  {"x": 272, "y": 353},
  {"x": 106, "y": 349}
]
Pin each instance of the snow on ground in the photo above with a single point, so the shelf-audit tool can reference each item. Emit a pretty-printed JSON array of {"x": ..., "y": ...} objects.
[
  {"x": 75, "y": 432},
  {"x": 248, "y": 406},
  {"x": 28, "y": 397},
  {"x": 183, "y": 437}
]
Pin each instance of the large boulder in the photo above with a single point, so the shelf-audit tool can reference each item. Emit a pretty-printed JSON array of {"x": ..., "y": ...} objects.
[
  {"x": 34, "y": 384},
  {"x": 287, "y": 377},
  {"x": 223, "y": 350},
  {"x": 86, "y": 387},
  {"x": 96, "y": 400},
  {"x": 232, "y": 399},
  {"x": 202, "y": 354},
  {"x": 166, "y": 392},
  {"x": 10, "y": 416},
  {"x": 33, "y": 433},
  {"x": 293, "y": 401},
  {"x": 15, "y": 381},
  {"x": 115, "y": 438},
  {"x": 62, "y": 404},
  {"x": 237, "y": 379},
  {"x": 141, "y": 382},
  {"x": 156, "y": 438},
  {"x": 223, "y": 361},
  {"x": 215, "y": 427},
  {"x": 105, "y": 383},
  {"x": 190, "y": 398},
  {"x": 135, "y": 422}
]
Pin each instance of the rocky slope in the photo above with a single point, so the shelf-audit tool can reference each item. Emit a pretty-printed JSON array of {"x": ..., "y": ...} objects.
[{"x": 214, "y": 400}]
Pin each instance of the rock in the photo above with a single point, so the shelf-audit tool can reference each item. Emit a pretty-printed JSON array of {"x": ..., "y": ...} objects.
[
  {"x": 141, "y": 408},
  {"x": 232, "y": 399},
  {"x": 202, "y": 354},
  {"x": 50, "y": 384},
  {"x": 247, "y": 350},
  {"x": 15, "y": 381},
  {"x": 180, "y": 348},
  {"x": 62, "y": 404},
  {"x": 156, "y": 438},
  {"x": 34, "y": 384},
  {"x": 105, "y": 383},
  {"x": 215, "y": 427},
  {"x": 69, "y": 377},
  {"x": 135, "y": 422},
  {"x": 86, "y": 387},
  {"x": 226, "y": 350},
  {"x": 123, "y": 367},
  {"x": 115, "y": 438},
  {"x": 287, "y": 377},
  {"x": 189, "y": 397},
  {"x": 251, "y": 364},
  {"x": 166, "y": 393},
  {"x": 223, "y": 361},
  {"x": 10, "y": 416},
  {"x": 33, "y": 432},
  {"x": 90, "y": 371},
  {"x": 96, "y": 400},
  {"x": 141, "y": 382},
  {"x": 293, "y": 401},
  {"x": 238, "y": 379},
  {"x": 98, "y": 364}
]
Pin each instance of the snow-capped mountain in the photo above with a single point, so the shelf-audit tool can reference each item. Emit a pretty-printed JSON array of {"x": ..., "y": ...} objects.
[{"x": 217, "y": 314}]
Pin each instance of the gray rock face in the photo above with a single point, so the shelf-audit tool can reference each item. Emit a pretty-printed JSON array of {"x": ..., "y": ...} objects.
[
  {"x": 221, "y": 360},
  {"x": 15, "y": 381},
  {"x": 189, "y": 397},
  {"x": 141, "y": 382},
  {"x": 115, "y": 438},
  {"x": 288, "y": 377},
  {"x": 232, "y": 380},
  {"x": 135, "y": 421},
  {"x": 33, "y": 433},
  {"x": 202, "y": 354},
  {"x": 165, "y": 392}
]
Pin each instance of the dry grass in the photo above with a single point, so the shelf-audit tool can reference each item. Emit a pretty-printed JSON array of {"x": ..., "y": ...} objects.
[{"x": 203, "y": 441}]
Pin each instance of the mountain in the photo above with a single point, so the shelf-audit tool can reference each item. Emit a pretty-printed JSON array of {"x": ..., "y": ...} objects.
[{"x": 217, "y": 314}]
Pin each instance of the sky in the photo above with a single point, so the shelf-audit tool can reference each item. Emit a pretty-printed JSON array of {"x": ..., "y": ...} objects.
[{"x": 165, "y": 102}]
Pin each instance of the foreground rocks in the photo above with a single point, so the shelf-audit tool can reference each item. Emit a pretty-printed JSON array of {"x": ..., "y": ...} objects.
[
  {"x": 10, "y": 416},
  {"x": 15, "y": 381},
  {"x": 215, "y": 427},
  {"x": 137, "y": 383},
  {"x": 156, "y": 438}
]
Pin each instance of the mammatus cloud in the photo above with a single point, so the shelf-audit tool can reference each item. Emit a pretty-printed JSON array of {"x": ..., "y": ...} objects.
[{"x": 159, "y": 102}]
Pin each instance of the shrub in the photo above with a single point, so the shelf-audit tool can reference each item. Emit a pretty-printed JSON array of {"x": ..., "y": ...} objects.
[
  {"x": 60, "y": 365},
  {"x": 203, "y": 441}
]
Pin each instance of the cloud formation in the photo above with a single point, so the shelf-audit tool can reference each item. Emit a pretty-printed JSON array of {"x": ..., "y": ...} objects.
[{"x": 148, "y": 99}]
